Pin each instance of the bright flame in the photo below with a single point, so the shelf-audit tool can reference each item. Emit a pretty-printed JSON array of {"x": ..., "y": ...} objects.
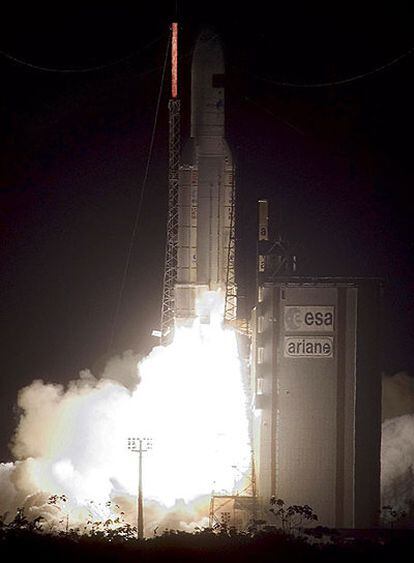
[
  {"x": 190, "y": 401},
  {"x": 199, "y": 423}
]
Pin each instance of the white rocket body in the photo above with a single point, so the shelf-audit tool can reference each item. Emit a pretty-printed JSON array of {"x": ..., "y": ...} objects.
[{"x": 206, "y": 187}]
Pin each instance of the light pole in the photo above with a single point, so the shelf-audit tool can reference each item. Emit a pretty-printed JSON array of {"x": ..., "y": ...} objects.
[{"x": 140, "y": 446}]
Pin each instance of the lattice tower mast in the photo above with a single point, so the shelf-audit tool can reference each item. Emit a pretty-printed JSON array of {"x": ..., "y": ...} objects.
[
  {"x": 230, "y": 304},
  {"x": 170, "y": 266}
]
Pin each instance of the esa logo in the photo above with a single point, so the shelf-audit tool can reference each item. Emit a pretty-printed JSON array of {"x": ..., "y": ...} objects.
[{"x": 309, "y": 318}]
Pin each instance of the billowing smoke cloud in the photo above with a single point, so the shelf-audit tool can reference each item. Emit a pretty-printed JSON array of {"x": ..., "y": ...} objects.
[
  {"x": 63, "y": 436},
  {"x": 397, "y": 395},
  {"x": 397, "y": 455},
  {"x": 71, "y": 441}
]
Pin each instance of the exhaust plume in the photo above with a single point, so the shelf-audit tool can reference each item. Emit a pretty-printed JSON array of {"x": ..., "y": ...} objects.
[
  {"x": 188, "y": 397},
  {"x": 397, "y": 453},
  {"x": 71, "y": 441}
]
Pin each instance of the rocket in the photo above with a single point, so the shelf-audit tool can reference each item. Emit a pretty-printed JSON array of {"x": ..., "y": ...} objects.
[{"x": 205, "y": 253}]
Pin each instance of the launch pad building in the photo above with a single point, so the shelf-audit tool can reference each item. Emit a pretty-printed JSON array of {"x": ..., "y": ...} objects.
[{"x": 317, "y": 396}]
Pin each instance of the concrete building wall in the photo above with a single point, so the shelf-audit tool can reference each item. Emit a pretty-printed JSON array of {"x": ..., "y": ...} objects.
[{"x": 316, "y": 381}]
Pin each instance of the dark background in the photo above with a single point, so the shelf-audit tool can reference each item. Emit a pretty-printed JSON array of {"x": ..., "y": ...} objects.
[{"x": 335, "y": 161}]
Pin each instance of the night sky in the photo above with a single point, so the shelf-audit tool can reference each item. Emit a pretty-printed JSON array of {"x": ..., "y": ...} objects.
[{"x": 336, "y": 163}]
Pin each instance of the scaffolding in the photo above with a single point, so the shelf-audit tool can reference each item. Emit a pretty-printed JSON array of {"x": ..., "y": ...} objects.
[
  {"x": 230, "y": 304},
  {"x": 170, "y": 267},
  {"x": 236, "y": 510}
]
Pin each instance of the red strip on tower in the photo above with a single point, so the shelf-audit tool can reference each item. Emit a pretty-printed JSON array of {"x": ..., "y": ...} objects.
[{"x": 174, "y": 61}]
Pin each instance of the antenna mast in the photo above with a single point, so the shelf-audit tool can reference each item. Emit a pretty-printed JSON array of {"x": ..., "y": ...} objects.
[{"x": 170, "y": 266}]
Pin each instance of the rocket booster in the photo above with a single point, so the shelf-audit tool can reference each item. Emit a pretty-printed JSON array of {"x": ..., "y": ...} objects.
[{"x": 206, "y": 187}]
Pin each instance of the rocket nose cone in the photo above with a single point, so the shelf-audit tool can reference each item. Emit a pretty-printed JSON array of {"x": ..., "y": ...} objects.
[
  {"x": 207, "y": 86},
  {"x": 208, "y": 50},
  {"x": 207, "y": 35}
]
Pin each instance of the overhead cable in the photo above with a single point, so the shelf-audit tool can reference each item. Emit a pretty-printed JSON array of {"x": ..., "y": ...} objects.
[
  {"x": 33, "y": 66},
  {"x": 340, "y": 82},
  {"x": 140, "y": 203}
]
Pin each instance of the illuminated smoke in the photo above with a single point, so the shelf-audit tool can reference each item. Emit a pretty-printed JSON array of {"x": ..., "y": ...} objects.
[
  {"x": 397, "y": 467},
  {"x": 72, "y": 441},
  {"x": 397, "y": 453},
  {"x": 397, "y": 395}
]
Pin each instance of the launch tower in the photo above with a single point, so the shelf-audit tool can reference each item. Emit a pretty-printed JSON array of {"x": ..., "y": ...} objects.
[
  {"x": 200, "y": 238},
  {"x": 170, "y": 267}
]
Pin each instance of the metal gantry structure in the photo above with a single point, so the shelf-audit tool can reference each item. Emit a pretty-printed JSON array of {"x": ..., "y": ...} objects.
[
  {"x": 230, "y": 303},
  {"x": 225, "y": 507},
  {"x": 170, "y": 267}
]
